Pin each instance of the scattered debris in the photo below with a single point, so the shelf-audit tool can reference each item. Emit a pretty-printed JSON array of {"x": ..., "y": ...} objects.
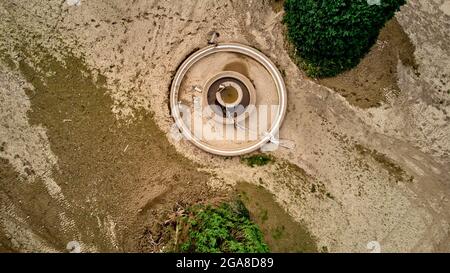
[{"x": 214, "y": 35}]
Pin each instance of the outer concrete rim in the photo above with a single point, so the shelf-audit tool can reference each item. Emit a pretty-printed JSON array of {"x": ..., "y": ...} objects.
[{"x": 235, "y": 48}]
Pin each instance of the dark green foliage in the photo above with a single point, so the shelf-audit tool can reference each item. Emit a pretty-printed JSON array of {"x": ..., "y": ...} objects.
[
  {"x": 257, "y": 160},
  {"x": 331, "y": 36},
  {"x": 223, "y": 229}
]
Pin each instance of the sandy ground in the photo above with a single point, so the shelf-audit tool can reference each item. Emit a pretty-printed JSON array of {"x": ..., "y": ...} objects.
[{"x": 84, "y": 123}]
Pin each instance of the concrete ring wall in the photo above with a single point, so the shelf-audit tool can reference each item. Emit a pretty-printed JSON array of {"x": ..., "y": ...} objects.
[{"x": 235, "y": 48}]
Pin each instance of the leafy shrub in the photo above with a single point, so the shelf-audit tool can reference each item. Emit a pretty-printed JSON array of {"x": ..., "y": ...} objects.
[
  {"x": 331, "y": 36},
  {"x": 223, "y": 229},
  {"x": 257, "y": 160}
]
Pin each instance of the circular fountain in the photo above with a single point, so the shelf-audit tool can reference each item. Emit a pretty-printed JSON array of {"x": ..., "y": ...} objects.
[{"x": 228, "y": 99}]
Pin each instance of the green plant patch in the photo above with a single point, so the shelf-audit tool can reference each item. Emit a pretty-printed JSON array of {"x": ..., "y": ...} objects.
[
  {"x": 226, "y": 228},
  {"x": 257, "y": 160}
]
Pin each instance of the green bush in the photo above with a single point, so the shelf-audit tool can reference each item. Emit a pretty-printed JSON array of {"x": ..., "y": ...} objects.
[
  {"x": 257, "y": 160},
  {"x": 331, "y": 36},
  {"x": 223, "y": 229}
]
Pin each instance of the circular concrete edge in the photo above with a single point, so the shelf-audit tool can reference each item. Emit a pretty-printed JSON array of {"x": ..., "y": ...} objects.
[
  {"x": 231, "y": 74},
  {"x": 234, "y": 48}
]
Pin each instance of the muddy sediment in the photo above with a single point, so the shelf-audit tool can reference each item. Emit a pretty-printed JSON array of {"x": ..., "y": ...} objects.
[
  {"x": 374, "y": 80},
  {"x": 85, "y": 117},
  {"x": 281, "y": 233},
  {"x": 107, "y": 169}
]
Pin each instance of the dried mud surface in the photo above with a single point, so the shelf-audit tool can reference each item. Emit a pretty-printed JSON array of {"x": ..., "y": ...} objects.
[
  {"x": 84, "y": 132},
  {"x": 374, "y": 80}
]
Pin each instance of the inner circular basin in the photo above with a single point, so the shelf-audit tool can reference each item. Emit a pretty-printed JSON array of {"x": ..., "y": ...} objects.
[{"x": 229, "y": 95}]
